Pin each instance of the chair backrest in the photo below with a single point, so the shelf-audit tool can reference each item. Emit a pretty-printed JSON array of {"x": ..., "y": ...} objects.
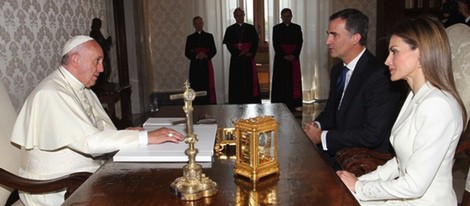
[
  {"x": 9, "y": 154},
  {"x": 467, "y": 186},
  {"x": 459, "y": 38}
]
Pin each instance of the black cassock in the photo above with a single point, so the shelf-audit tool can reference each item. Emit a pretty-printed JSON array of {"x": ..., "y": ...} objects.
[
  {"x": 201, "y": 72},
  {"x": 286, "y": 82},
  {"x": 243, "y": 79}
]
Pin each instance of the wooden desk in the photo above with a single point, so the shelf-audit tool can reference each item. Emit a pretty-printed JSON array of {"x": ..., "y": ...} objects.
[{"x": 305, "y": 179}]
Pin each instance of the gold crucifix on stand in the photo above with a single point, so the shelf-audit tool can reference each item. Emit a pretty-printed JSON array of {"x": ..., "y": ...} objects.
[{"x": 193, "y": 184}]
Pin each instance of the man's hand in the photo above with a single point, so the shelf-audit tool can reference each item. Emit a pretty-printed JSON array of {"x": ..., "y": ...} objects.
[
  {"x": 245, "y": 53},
  {"x": 289, "y": 57},
  {"x": 201, "y": 55},
  {"x": 349, "y": 179},
  {"x": 164, "y": 134},
  {"x": 313, "y": 132}
]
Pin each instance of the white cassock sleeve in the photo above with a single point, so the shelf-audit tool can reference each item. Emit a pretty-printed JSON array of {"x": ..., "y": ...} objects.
[{"x": 53, "y": 117}]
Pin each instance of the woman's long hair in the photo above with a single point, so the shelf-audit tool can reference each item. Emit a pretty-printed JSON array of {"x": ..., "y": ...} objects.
[{"x": 430, "y": 37}]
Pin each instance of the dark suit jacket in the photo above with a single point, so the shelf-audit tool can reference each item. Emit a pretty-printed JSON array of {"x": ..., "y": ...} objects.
[{"x": 368, "y": 109}]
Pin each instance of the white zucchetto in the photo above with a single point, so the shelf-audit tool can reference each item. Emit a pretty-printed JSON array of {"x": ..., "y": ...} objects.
[{"x": 74, "y": 42}]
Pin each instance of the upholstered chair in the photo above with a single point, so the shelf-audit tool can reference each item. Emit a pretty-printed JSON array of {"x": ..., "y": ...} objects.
[
  {"x": 10, "y": 161},
  {"x": 9, "y": 154},
  {"x": 459, "y": 37},
  {"x": 466, "y": 194}
]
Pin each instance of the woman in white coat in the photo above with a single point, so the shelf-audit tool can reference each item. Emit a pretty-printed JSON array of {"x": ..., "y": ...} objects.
[{"x": 428, "y": 128}]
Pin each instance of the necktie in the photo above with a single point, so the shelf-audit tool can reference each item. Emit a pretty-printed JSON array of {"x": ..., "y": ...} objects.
[{"x": 340, "y": 82}]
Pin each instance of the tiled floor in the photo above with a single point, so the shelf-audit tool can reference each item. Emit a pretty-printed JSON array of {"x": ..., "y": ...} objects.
[{"x": 309, "y": 111}]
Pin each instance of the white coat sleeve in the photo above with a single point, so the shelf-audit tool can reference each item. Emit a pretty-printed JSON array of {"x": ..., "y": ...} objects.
[{"x": 433, "y": 121}]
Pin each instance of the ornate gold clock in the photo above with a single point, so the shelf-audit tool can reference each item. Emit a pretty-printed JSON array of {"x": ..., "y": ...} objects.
[{"x": 256, "y": 147}]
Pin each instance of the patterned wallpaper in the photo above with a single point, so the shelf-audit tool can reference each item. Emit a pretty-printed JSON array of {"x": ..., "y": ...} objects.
[
  {"x": 32, "y": 33},
  {"x": 168, "y": 42}
]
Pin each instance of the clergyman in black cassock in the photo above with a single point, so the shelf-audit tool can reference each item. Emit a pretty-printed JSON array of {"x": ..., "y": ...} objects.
[
  {"x": 287, "y": 42},
  {"x": 200, "y": 48},
  {"x": 241, "y": 40}
]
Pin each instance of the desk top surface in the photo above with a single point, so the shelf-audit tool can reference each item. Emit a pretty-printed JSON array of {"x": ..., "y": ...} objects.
[{"x": 304, "y": 176}]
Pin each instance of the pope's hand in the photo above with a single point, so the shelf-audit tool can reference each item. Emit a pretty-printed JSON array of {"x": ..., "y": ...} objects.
[{"x": 164, "y": 134}]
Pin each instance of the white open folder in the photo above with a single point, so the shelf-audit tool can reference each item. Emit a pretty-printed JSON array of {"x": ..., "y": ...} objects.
[{"x": 172, "y": 152}]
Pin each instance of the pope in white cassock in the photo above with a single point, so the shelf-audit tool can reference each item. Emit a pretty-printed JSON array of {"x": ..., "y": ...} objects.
[{"x": 62, "y": 124}]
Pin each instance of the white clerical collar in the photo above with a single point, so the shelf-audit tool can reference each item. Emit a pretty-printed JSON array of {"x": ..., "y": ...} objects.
[
  {"x": 74, "y": 83},
  {"x": 353, "y": 63}
]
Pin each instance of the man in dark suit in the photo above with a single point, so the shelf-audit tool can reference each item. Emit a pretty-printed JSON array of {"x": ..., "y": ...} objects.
[
  {"x": 361, "y": 114},
  {"x": 200, "y": 48}
]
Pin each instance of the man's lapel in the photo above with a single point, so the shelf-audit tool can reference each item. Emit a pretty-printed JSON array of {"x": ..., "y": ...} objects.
[{"x": 354, "y": 81}]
